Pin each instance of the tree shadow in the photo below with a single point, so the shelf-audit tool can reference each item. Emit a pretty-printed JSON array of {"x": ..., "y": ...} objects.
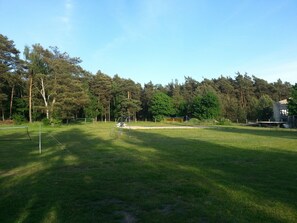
[
  {"x": 260, "y": 131},
  {"x": 146, "y": 177},
  {"x": 265, "y": 176}
]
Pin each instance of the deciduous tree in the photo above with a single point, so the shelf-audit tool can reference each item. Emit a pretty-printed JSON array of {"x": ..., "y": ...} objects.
[
  {"x": 161, "y": 106},
  {"x": 292, "y": 101},
  {"x": 206, "y": 106}
]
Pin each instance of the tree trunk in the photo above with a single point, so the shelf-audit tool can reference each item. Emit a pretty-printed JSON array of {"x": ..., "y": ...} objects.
[
  {"x": 3, "y": 118},
  {"x": 42, "y": 92},
  {"x": 105, "y": 115},
  {"x": 11, "y": 102},
  {"x": 52, "y": 108},
  {"x": 109, "y": 111},
  {"x": 30, "y": 96}
]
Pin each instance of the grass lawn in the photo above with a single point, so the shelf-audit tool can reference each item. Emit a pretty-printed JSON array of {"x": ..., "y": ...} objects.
[{"x": 93, "y": 173}]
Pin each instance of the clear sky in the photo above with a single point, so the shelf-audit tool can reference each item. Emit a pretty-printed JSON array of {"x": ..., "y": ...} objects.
[{"x": 163, "y": 40}]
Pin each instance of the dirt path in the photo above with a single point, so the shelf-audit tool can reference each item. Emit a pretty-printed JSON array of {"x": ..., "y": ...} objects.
[{"x": 163, "y": 127}]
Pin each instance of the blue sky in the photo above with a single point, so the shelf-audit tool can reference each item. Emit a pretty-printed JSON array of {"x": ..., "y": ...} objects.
[{"x": 163, "y": 40}]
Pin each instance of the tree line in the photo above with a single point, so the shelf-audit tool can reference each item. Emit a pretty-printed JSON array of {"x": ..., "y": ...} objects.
[{"x": 49, "y": 84}]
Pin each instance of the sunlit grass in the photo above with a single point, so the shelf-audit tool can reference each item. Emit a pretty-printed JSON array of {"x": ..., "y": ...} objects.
[{"x": 98, "y": 173}]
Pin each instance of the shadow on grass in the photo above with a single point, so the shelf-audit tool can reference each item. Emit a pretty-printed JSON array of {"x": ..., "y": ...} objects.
[
  {"x": 147, "y": 177},
  {"x": 260, "y": 131}
]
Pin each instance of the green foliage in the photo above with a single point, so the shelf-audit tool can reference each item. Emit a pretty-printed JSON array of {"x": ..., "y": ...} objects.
[
  {"x": 9, "y": 55},
  {"x": 241, "y": 114},
  {"x": 194, "y": 121},
  {"x": 206, "y": 106},
  {"x": 100, "y": 88},
  {"x": 18, "y": 119},
  {"x": 126, "y": 97},
  {"x": 292, "y": 102},
  {"x": 56, "y": 122},
  {"x": 252, "y": 113},
  {"x": 179, "y": 103},
  {"x": 46, "y": 122},
  {"x": 204, "y": 122},
  {"x": 21, "y": 106},
  {"x": 224, "y": 121},
  {"x": 146, "y": 97},
  {"x": 11, "y": 77},
  {"x": 57, "y": 78},
  {"x": 61, "y": 88},
  {"x": 161, "y": 106},
  {"x": 265, "y": 108},
  {"x": 159, "y": 118},
  {"x": 51, "y": 122},
  {"x": 93, "y": 108}
]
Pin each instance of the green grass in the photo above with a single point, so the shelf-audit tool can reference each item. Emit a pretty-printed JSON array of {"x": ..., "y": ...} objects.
[{"x": 87, "y": 174}]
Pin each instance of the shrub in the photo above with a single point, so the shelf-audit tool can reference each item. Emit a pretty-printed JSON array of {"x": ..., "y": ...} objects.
[
  {"x": 224, "y": 121},
  {"x": 53, "y": 122},
  {"x": 159, "y": 118},
  {"x": 18, "y": 119},
  {"x": 194, "y": 121},
  {"x": 46, "y": 121}
]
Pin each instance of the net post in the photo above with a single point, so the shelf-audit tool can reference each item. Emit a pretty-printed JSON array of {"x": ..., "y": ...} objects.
[
  {"x": 40, "y": 139},
  {"x": 28, "y": 132}
]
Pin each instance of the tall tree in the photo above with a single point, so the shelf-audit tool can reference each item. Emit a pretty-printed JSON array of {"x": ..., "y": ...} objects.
[
  {"x": 189, "y": 91},
  {"x": 265, "y": 108},
  {"x": 67, "y": 90},
  {"x": 9, "y": 72},
  {"x": 228, "y": 99},
  {"x": 36, "y": 65},
  {"x": 174, "y": 91},
  {"x": 292, "y": 101},
  {"x": 146, "y": 97},
  {"x": 245, "y": 93},
  {"x": 261, "y": 87},
  {"x": 56, "y": 77},
  {"x": 37, "y": 59},
  {"x": 126, "y": 97},
  {"x": 101, "y": 87},
  {"x": 281, "y": 90}
]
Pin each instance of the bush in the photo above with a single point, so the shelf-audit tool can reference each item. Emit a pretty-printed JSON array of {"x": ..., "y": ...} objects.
[
  {"x": 224, "y": 121},
  {"x": 158, "y": 118},
  {"x": 206, "y": 106},
  {"x": 46, "y": 121},
  {"x": 205, "y": 122},
  {"x": 194, "y": 121},
  {"x": 56, "y": 122},
  {"x": 53, "y": 122},
  {"x": 18, "y": 119}
]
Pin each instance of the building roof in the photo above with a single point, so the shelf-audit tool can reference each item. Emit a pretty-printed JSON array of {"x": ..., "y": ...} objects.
[{"x": 283, "y": 102}]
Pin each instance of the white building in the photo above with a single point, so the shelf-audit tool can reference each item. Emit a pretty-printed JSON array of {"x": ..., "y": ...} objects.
[{"x": 280, "y": 110}]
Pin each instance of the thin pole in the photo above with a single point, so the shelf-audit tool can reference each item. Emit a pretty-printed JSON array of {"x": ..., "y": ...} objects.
[
  {"x": 28, "y": 133},
  {"x": 40, "y": 139}
]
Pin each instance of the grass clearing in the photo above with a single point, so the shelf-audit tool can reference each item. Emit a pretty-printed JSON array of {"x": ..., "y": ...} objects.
[{"x": 226, "y": 174}]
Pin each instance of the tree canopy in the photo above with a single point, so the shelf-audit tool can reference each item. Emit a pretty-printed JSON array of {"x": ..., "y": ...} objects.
[
  {"x": 51, "y": 84},
  {"x": 206, "y": 106},
  {"x": 292, "y": 102},
  {"x": 161, "y": 106}
]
